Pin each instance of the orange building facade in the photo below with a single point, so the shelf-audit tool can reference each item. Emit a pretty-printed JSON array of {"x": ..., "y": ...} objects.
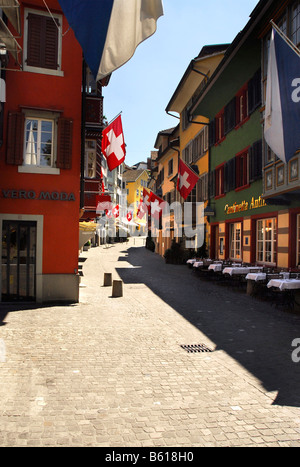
[{"x": 40, "y": 158}]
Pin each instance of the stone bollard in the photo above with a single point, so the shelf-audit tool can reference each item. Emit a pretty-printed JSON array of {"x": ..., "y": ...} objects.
[
  {"x": 117, "y": 289},
  {"x": 107, "y": 279}
]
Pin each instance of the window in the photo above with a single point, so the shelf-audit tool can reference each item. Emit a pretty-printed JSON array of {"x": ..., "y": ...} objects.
[
  {"x": 266, "y": 241},
  {"x": 298, "y": 240},
  {"x": 90, "y": 158},
  {"x": 295, "y": 23},
  {"x": 219, "y": 127},
  {"x": 39, "y": 142},
  {"x": 42, "y": 42},
  {"x": 242, "y": 170},
  {"x": 235, "y": 244},
  {"x": 242, "y": 106},
  {"x": 170, "y": 167},
  {"x": 219, "y": 184},
  {"x": 38, "y": 147}
]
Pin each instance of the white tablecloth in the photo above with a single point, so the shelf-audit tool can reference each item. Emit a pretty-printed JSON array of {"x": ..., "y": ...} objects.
[
  {"x": 198, "y": 264},
  {"x": 190, "y": 261},
  {"x": 259, "y": 276},
  {"x": 285, "y": 284},
  {"x": 240, "y": 270},
  {"x": 215, "y": 267}
]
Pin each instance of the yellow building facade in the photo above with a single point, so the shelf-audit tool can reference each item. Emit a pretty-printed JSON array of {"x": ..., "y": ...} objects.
[{"x": 136, "y": 180}]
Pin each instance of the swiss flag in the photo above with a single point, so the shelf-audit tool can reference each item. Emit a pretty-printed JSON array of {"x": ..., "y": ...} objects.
[
  {"x": 146, "y": 198},
  {"x": 142, "y": 210},
  {"x": 156, "y": 205},
  {"x": 187, "y": 179},
  {"x": 108, "y": 213},
  {"x": 113, "y": 145},
  {"x": 116, "y": 211},
  {"x": 129, "y": 216}
]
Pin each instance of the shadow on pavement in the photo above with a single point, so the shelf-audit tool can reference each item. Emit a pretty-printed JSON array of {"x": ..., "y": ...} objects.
[{"x": 251, "y": 331}]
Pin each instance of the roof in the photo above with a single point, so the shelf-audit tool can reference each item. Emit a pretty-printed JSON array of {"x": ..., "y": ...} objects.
[
  {"x": 256, "y": 15},
  {"x": 132, "y": 175},
  {"x": 206, "y": 52}
]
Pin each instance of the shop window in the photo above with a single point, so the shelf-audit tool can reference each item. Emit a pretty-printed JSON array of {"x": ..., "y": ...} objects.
[
  {"x": 266, "y": 241},
  {"x": 235, "y": 242},
  {"x": 42, "y": 39},
  {"x": 90, "y": 158},
  {"x": 242, "y": 170},
  {"x": 219, "y": 183}
]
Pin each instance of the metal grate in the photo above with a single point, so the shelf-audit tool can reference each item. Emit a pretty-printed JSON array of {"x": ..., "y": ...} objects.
[{"x": 196, "y": 348}]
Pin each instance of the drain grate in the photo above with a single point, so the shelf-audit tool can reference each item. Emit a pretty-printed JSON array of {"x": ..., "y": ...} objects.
[{"x": 196, "y": 348}]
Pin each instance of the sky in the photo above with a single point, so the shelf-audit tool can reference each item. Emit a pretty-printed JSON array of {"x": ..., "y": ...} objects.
[{"x": 142, "y": 88}]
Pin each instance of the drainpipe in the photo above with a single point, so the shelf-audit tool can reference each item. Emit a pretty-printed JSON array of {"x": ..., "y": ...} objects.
[{"x": 83, "y": 108}]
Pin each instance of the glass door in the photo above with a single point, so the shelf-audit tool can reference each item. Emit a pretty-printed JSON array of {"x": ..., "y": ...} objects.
[{"x": 18, "y": 261}]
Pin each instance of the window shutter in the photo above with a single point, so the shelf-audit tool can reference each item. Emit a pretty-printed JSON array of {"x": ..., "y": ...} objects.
[
  {"x": 34, "y": 40},
  {"x": 212, "y": 184},
  {"x": 255, "y": 162},
  {"x": 64, "y": 143},
  {"x": 51, "y": 44},
  {"x": 212, "y": 133},
  {"x": 15, "y": 138},
  {"x": 254, "y": 92},
  {"x": 229, "y": 175},
  {"x": 230, "y": 111},
  {"x": 42, "y": 44}
]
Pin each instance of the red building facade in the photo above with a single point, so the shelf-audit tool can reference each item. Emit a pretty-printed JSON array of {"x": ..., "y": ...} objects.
[{"x": 40, "y": 156}]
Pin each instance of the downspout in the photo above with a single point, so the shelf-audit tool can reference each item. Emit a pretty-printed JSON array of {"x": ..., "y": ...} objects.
[{"x": 83, "y": 111}]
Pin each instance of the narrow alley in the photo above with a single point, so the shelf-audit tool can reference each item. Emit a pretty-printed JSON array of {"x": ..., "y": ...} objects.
[{"x": 114, "y": 372}]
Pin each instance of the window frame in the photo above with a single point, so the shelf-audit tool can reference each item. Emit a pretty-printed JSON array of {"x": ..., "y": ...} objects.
[
  {"x": 242, "y": 162},
  {"x": 86, "y": 159},
  {"x": 219, "y": 181},
  {"x": 264, "y": 241},
  {"x": 235, "y": 244},
  {"x": 47, "y": 116},
  {"x": 41, "y": 70}
]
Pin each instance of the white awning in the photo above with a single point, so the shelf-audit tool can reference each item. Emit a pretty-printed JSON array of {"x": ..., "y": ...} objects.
[
  {"x": 8, "y": 40},
  {"x": 11, "y": 8}
]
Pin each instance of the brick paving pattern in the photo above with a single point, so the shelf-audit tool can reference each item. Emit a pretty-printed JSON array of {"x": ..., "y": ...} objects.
[{"x": 111, "y": 371}]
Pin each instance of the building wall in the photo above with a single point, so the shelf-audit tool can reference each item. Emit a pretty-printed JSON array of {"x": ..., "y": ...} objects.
[{"x": 60, "y": 94}]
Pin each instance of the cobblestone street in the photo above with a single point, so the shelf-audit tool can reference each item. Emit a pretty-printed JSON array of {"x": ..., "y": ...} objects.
[{"x": 111, "y": 371}]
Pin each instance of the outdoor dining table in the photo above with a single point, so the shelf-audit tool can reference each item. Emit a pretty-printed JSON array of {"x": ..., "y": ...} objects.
[
  {"x": 191, "y": 261},
  {"x": 284, "y": 284},
  {"x": 216, "y": 267},
  {"x": 240, "y": 270},
  {"x": 256, "y": 276},
  {"x": 198, "y": 264}
]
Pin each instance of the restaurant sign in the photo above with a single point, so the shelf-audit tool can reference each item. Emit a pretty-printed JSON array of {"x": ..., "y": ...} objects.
[
  {"x": 245, "y": 206},
  {"x": 43, "y": 195}
]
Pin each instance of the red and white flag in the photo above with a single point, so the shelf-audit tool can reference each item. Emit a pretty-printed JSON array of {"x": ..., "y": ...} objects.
[
  {"x": 156, "y": 205},
  {"x": 187, "y": 179},
  {"x": 129, "y": 216},
  {"x": 116, "y": 211},
  {"x": 113, "y": 145}
]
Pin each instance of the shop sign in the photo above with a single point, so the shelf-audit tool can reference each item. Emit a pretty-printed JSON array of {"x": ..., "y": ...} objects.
[
  {"x": 42, "y": 196},
  {"x": 245, "y": 206}
]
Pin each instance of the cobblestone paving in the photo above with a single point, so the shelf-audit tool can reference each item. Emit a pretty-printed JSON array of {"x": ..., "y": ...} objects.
[{"x": 111, "y": 371}]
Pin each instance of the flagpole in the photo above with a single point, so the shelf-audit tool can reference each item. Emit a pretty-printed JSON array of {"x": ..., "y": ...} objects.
[
  {"x": 284, "y": 37},
  {"x": 115, "y": 117}
]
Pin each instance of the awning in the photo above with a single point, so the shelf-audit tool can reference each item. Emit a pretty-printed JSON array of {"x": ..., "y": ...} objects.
[
  {"x": 86, "y": 231},
  {"x": 11, "y": 8},
  {"x": 9, "y": 41}
]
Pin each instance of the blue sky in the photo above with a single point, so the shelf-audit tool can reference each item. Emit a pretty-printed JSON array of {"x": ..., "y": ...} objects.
[{"x": 143, "y": 87}]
